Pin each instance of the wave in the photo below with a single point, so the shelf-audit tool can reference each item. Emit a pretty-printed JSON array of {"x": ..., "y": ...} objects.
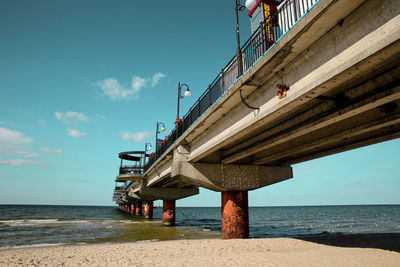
[
  {"x": 39, "y": 222},
  {"x": 34, "y": 246}
]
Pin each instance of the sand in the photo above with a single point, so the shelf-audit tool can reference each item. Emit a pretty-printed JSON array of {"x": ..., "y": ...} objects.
[{"x": 205, "y": 252}]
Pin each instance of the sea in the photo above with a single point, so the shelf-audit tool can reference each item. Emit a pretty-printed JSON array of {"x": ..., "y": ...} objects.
[{"x": 24, "y": 226}]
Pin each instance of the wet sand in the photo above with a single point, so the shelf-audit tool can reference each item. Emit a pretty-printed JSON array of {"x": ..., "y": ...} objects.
[{"x": 205, "y": 252}]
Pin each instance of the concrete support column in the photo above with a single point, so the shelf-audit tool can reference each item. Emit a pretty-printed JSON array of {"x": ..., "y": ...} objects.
[
  {"x": 138, "y": 206},
  {"x": 148, "y": 209},
  {"x": 235, "y": 214},
  {"x": 168, "y": 217},
  {"x": 133, "y": 208}
]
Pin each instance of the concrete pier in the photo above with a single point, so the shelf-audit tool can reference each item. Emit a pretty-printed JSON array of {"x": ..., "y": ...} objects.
[
  {"x": 234, "y": 214},
  {"x": 148, "y": 209},
  {"x": 168, "y": 217},
  {"x": 138, "y": 208},
  {"x": 340, "y": 61}
]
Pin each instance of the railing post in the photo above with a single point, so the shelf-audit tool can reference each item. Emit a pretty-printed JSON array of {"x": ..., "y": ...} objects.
[
  {"x": 199, "y": 107},
  {"x": 209, "y": 95}
]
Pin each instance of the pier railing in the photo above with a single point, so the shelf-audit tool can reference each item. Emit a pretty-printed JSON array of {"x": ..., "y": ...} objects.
[
  {"x": 131, "y": 170},
  {"x": 270, "y": 31}
]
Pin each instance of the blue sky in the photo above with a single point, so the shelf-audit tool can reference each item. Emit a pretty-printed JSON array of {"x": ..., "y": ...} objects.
[{"x": 81, "y": 81}]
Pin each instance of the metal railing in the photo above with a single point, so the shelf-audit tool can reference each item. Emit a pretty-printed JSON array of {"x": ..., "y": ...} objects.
[
  {"x": 131, "y": 170},
  {"x": 267, "y": 34}
]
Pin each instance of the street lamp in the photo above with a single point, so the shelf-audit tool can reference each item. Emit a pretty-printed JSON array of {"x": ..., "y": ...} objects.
[
  {"x": 145, "y": 151},
  {"x": 238, "y": 7},
  {"x": 187, "y": 94},
  {"x": 145, "y": 147},
  {"x": 158, "y": 131}
]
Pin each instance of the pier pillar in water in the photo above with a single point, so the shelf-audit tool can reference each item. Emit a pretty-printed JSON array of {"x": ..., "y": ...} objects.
[
  {"x": 148, "y": 209},
  {"x": 133, "y": 208},
  {"x": 138, "y": 208},
  {"x": 168, "y": 217},
  {"x": 234, "y": 214}
]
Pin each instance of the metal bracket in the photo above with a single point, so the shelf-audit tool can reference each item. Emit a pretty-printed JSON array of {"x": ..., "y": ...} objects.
[{"x": 244, "y": 102}]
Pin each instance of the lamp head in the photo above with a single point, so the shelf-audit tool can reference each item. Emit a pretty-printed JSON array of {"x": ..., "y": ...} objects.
[
  {"x": 163, "y": 129},
  {"x": 250, "y": 4},
  {"x": 150, "y": 147},
  {"x": 188, "y": 93}
]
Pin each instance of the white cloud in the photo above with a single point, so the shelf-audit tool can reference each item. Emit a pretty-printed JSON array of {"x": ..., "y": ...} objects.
[
  {"x": 23, "y": 153},
  {"x": 42, "y": 122},
  {"x": 156, "y": 78},
  {"x": 13, "y": 142},
  {"x": 136, "y": 137},
  {"x": 15, "y": 150},
  {"x": 52, "y": 151},
  {"x": 10, "y": 136},
  {"x": 75, "y": 133},
  {"x": 138, "y": 83},
  {"x": 71, "y": 116},
  {"x": 113, "y": 89},
  {"x": 19, "y": 162}
]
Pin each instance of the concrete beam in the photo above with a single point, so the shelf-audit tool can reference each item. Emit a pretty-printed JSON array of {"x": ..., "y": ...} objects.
[
  {"x": 333, "y": 139},
  {"x": 378, "y": 99},
  {"x": 159, "y": 173},
  {"x": 360, "y": 50},
  {"x": 129, "y": 177},
  {"x": 362, "y": 143},
  {"x": 167, "y": 193},
  {"x": 227, "y": 177}
]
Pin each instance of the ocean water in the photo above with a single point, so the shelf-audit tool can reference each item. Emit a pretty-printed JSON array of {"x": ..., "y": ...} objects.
[{"x": 32, "y": 226}]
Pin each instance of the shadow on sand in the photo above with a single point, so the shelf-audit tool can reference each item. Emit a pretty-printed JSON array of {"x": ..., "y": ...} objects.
[{"x": 386, "y": 241}]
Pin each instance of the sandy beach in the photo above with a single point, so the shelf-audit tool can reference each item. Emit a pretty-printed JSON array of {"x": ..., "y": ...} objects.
[{"x": 205, "y": 252}]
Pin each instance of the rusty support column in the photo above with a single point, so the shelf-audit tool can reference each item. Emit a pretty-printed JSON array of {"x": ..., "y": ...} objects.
[
  {"x": 138, "y": 206},
  {"x": 168, "y": 217},
  {"x": 234, "y": 214},
  {"x": 133, "y": 208},
  {"x": 148, "y": 209}
]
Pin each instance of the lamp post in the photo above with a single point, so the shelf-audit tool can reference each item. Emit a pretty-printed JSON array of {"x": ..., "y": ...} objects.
[
  {"x": 145, "y": 151},
  {"x": 158, "y": 131},
  {"x": 238, "y": 7},
  {"x": 187, "y": 94}
]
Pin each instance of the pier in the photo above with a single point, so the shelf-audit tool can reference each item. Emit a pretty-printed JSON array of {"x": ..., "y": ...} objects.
[{"x": 316, "y": 78}]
